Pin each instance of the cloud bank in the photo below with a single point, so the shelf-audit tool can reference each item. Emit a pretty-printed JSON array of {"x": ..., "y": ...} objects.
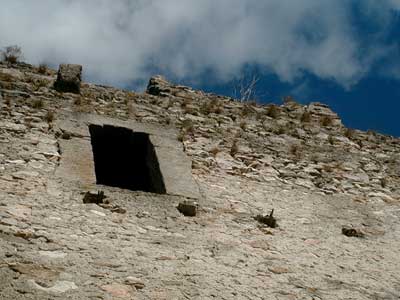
[{"x": 123, "y": 41}]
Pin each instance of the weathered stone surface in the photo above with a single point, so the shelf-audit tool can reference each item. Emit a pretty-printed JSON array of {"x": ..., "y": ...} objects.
[
  {"x": 118, "y": 290},
  {"x": 69, "y": 78},
  {"x": 317, "y": 177},
  {"x": 82, "y": 168},
  {"x": 37, "y": 271}
]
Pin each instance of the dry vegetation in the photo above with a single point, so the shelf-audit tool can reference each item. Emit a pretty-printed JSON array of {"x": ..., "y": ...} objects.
[
  {"x": 273, "y": 111},
  {"x": 11, "y": 54},
  {"x": 305, "y": 117}
]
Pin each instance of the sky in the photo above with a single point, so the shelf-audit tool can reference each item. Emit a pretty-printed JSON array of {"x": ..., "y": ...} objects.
[{"x": 344, "y": 53}]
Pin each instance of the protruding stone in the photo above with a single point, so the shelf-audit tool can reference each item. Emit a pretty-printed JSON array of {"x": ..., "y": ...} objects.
[
  {"x": 134, "y": 281},
  {"x": 58, "y": 288},
  {"x": 187, "y": 208},
  {"x": 158, "y": 86},
  {"x": 93, "y": 197},
  {"x": 69, "y": 78},
  {"x": 352, "y": 232},
  {"x": 268, "y": 220},
  {"x": 323, "y": 112}
]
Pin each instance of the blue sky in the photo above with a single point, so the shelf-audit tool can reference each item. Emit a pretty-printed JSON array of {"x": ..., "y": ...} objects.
[
  {"x": 372, "y": 103},
  {"x": 341, "y": 52}
]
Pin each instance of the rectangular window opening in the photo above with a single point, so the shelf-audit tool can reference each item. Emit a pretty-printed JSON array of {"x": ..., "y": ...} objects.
[{"x": 125, "y": 159}]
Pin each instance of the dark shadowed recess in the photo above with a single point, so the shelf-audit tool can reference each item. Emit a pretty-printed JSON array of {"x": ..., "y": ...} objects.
[{"x": 125, "y": 159}]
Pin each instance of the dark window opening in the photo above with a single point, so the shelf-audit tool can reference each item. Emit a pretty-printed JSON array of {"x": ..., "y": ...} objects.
[{"x": 125, "y": 159}]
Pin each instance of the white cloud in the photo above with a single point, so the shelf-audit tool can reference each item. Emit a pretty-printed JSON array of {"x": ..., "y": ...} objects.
[
  {"x": 395, "y": 4},
  {"x": 119, "y": 41}
]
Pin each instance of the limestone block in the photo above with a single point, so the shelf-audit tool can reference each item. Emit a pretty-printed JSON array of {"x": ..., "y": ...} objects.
[{"x": 69, "y": 78}]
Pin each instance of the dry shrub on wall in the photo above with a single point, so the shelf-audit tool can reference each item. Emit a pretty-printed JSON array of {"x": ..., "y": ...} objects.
[
  {"x": 272, "y": 111},
  {"x": 42, "y": 69},
  {"x": 11, "y": 54},
  {"x": 305, "y": 117},
  {"x": 327, "y": 121},
  {"x": 349, "y": 133}
]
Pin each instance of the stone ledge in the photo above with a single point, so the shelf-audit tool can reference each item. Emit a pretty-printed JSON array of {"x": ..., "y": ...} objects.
[{"x": 77, "y": 158}]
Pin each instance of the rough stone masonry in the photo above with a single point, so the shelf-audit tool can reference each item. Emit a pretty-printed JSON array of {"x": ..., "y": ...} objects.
[
  {"x": 69, "y": 78},
  {"x": 334, "y": 193}
]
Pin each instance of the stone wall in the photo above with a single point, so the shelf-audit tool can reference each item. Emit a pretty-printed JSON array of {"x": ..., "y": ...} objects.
[{"x": 246, "y": 159}]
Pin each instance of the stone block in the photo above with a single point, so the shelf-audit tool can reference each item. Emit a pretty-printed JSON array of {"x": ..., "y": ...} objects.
[
  {"x": 268, "y": 220},
  {"x": 187, "y": 208},
  {"x": 93, "y": 197},
  {"x": 352, "y": 232},
  {"x": 158, "y": 86},
  {"x": 69, "y": 78}
]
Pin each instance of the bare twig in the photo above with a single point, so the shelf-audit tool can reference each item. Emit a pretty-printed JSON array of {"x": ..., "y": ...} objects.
[{"x": 245, "y": 89}]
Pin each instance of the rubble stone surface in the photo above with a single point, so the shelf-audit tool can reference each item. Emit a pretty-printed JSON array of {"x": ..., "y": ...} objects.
[{"x": 317, "y": 175}]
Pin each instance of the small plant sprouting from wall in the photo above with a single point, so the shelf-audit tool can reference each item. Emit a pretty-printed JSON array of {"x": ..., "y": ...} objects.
[
  {"x": 384, "y": 182},
  {"x": 188, "y": 109},
  {"x": 280, "y": 130},
  {"x": 247, "y": 109},
  {"x": 78, "y": 100},
  {"x": 305, "y": 117},
  {"x": 131, "y": 109},
  {"x": 37, "y": 104},
  {"x": 327, "y": 168},
  {"x": 243, "y": 125},
  {"x": 234, "y": 149},
  {"x": 39, "y": 83},
  {"x": 273, "y": 111},
  {"x": 327, "y": 121},
  {"x": 49, "y": 116},
  {"x": 42, "y": 69},
  {"x": 181, "y": 136},
  {"x": 186, "y": 102},
  {"x": 186, "y": 129},
  {"x": 214, "y": 151},
  {"x": 7, "y": 102},
  {"x": 349, "y": 133},
  {"x": 187, "y": 125},
  {"x": 359, "y": 143},
  {"x": 288, "y": 100},
  {"x": 295, "y": 150},
  {"x": 212, "y": 106},
  {"x": 6, "y": 77},
  {"x": 11, "y": 54}
]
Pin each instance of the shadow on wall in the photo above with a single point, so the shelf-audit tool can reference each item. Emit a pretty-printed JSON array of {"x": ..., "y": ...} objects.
[{"x": 125, "y": 159}]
